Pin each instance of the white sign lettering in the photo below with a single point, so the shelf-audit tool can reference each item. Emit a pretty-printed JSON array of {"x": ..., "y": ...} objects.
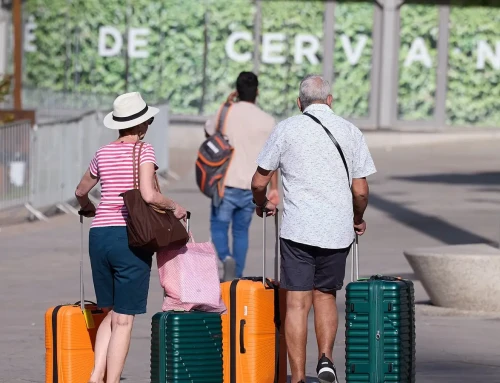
[
  {"x": 353, "y": 56},
  {"x": 308, "y": 51},
  {"x": 273, "y": 47},
  {"x": 104, "y": 50},
  {"x": 485, "y": 52},
  {"x": 268, "y": 48},
  {"x": 135, "y": 42},
  {"x": 418, "y": 52},
  {"x": 230, "y": 43}
]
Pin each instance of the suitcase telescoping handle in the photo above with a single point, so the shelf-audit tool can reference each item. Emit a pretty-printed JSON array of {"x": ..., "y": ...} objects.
[
  {"x": 355, "y": 260},
  {"x": 276, "y": 247},
  {"x": 188, "y": 218},
  {"x": 82, "y": 289}
]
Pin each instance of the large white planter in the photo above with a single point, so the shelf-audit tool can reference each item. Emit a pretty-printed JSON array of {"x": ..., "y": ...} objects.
[{"x": 464, "y": 277}]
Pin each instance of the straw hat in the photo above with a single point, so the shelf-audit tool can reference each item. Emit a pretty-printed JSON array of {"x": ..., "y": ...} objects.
[{"x": 129, "y": 110}]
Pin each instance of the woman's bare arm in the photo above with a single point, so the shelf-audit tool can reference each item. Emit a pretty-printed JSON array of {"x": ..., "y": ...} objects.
[
  {"x": 152, "y": 196},
  {"x": 83, "y": 189}
]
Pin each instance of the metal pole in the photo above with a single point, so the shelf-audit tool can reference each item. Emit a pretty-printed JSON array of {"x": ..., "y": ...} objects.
[
  {"x": 442, "y": 70},
  {"x": 329, "y": 41},
  {"x": 257, "y": 34},
  {"x": 18, "y": 52},
  {"x": 389, "y": 64}
]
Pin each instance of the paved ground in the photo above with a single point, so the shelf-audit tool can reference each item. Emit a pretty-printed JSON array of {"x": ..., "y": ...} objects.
[{"x": 423, "y": 195}]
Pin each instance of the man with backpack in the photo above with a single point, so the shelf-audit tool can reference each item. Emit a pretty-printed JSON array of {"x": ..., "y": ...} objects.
[
  {"x": 240, "y": 130},
  {"x": 324, "y": 162}
]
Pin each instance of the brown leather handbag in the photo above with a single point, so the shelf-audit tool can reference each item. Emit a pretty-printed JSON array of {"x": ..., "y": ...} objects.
[{"x": 150, "y": 228}]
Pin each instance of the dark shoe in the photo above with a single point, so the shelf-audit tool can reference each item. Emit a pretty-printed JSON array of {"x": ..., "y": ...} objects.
[
  {"x": 326, "y": 370},
  {"x": 229, "y": 269}
]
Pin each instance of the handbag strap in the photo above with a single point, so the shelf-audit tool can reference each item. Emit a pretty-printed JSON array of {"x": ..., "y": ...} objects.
[
  {"x": 221, "y": 118},
  {"x": 136, "y": 165},
  {"x": 335, "y": 143}
]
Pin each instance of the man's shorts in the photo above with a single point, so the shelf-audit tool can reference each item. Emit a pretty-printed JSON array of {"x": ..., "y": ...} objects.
[
  {"x": 306, "y": 268},
  {"x": 120, "y": 274}
]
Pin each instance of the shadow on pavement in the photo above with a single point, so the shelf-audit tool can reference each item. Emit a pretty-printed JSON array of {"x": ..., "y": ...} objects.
[
  {"x": 430, "y": 225},
  {"x": 482, "y": 178},
  {"x": 456, "y": 371}
]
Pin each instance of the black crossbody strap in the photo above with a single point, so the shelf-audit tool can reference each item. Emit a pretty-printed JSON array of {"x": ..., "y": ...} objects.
[{"x": 335, "y": 143}]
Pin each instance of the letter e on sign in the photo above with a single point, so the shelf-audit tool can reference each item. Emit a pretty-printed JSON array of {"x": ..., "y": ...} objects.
[
  {"x": 268, "y": 48},
  {"x": 135, "y": 42}
]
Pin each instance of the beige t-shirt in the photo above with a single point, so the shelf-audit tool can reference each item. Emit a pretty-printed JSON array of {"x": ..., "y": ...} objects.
[{"x": 247, "y": 128}]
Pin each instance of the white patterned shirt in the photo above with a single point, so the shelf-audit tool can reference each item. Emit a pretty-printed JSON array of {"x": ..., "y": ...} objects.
[{"x": 318, "y": 209}]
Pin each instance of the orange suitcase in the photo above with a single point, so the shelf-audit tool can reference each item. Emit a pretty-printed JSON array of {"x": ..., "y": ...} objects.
[
  {"x": 69, "y": 345},
  {"x": 254, "y": 345},
  {"x": 70, "y": 332}
]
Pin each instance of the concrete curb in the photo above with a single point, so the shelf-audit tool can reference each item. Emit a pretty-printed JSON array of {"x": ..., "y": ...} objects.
[
  {"x": 428, "y": 309},
  {"x": 396, "y": 139}
]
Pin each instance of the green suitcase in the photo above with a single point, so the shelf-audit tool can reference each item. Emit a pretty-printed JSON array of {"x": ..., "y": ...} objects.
[
  {"x": 186, "y": 347},
  {"x": 380, "y": 329}
]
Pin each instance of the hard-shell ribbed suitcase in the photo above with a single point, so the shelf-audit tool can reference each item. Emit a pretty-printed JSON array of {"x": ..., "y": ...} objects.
[
  {"x": 70, "y": 332},
  {"x": 186, "y": 346},
  {"x": 69, "y": 345},
  {"x": 380, "y": 329},
  {"x": 253, "y": 327}
]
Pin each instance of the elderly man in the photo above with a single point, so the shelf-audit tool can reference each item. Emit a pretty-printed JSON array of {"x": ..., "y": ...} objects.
[{"x": 325, "y": 197}]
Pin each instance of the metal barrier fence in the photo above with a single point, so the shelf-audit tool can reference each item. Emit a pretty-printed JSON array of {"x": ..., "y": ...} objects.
[
  {"x": 64, "y": 149},
  {"x": 41, "y": 167},
  {"x": 15, "y": 147}
]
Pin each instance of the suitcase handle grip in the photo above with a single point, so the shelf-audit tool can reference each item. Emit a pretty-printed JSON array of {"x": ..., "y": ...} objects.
[
  {"x": 242, "y": 336},
  {"x": 276, "y": 247},
  {"x": 355, "y": 260}
]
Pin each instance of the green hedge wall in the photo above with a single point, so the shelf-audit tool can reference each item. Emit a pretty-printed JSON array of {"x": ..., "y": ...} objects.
[
  {"x": 280, "y": 82},
  {"x": 224, "y": 18},
  {"x": 67, "y": 58},
  {"x": 351, "y": 88},
  {"x": 473, "y": 94},
  {"x": 417, "y": 83}
]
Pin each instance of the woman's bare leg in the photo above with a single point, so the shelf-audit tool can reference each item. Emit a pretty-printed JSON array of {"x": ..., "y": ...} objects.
[
  {"x": 121, "y": 331},
  {"x": 101, "y": 348}
]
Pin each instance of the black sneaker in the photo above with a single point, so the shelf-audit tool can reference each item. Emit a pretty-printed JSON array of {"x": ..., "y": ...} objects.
[{"x": 326, "y": 370}]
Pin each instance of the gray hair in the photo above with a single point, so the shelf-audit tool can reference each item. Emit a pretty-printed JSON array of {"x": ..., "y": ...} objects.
[{"x": 314, "y": 89}]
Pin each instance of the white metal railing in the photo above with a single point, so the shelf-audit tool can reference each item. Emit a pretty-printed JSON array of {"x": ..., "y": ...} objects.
[
  {"x": 41, "y": 166},
  {"x": 15, "y": 148}
]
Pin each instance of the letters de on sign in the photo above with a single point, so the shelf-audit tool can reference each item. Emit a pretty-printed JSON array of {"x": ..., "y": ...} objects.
[{"x": 136, "y": 40}]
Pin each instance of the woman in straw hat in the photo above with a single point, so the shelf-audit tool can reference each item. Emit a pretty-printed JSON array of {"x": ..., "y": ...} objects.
[{"x": 120, "y": 274}]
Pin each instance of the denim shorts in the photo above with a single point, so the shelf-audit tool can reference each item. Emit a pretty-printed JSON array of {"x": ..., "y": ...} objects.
[
  {"x": 121, "y": 274},
  {"x": 306, "y": 268}
]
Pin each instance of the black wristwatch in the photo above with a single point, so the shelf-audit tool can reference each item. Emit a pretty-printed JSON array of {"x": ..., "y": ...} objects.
[{"x": 263, "y": 206}]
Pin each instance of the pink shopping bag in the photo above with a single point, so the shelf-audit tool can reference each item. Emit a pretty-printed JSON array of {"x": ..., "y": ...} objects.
[{"x": 190, "y": 278}]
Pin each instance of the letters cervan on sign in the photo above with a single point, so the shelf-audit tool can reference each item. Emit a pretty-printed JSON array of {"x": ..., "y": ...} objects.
[{"x": 274, "y": 45}]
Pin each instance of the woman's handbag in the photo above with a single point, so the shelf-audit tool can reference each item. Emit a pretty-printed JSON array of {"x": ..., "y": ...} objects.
[
  {"x": 150, "y": 228},
  {"x": 190, "y": 278}
]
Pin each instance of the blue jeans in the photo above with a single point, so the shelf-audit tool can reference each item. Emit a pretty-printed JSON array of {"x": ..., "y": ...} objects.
[{"x": 236, "y": 207}]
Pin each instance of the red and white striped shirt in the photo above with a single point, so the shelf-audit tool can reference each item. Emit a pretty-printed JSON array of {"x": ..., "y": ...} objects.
[{"x": 113, "y": 165}]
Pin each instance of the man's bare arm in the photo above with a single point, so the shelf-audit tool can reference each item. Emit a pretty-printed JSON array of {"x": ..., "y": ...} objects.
[
  {"x": 360, "y": 192},
  {"x": 260, "y": 181}
]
